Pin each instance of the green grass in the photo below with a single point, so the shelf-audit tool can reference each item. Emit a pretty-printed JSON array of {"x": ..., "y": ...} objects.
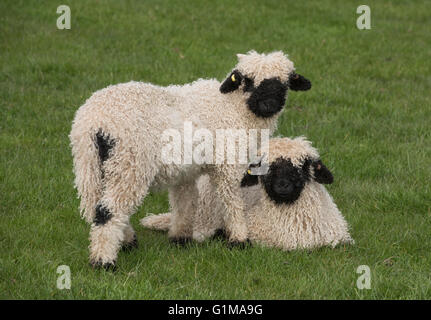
[{"x": 368, "y": 112}]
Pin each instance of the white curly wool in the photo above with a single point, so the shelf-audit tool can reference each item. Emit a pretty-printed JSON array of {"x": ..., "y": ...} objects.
[
  {"x": 134, "y": 116},
  {"x": 311, "y": 221}
]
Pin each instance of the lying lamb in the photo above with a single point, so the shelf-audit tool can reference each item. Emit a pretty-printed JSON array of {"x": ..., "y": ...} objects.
[
  {"x": 116, "y": 142},
  {"x": 288, "y": 207}
]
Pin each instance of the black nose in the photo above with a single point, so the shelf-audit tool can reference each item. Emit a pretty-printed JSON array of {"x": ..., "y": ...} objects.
[
  {"x": 288, "y": 188},
  {"x": 283, "y": 183},
  {"x": 264, "y": 106},
  {"x": 283, "y": 186}
]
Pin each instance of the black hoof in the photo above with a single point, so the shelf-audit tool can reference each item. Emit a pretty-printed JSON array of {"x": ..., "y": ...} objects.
[
  {"x": 239, "y": 244},
  {"x": 108, "y": 266},
  {"x": 180, "y": 241},
  {"x": 220, "y": 234},
  {"x": 127, "y": 247}
]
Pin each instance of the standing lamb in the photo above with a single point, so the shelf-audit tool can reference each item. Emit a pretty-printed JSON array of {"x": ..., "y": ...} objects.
[
  {"x": 117, "y": 135},
  {"x": 288, "y": 207}
]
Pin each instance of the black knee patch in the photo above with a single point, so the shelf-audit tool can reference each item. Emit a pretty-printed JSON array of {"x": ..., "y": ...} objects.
[
  {"x": 104, "y": 144},
  {"x": 103, "y": 215}
]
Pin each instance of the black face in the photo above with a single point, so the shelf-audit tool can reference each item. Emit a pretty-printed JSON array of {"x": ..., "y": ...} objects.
[
  {"x": 269, "y": 97},
  {"x": 284, "y": 182}
]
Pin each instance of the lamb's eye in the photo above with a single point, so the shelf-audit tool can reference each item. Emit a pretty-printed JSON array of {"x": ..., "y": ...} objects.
[{"x": 249, "y": 84}]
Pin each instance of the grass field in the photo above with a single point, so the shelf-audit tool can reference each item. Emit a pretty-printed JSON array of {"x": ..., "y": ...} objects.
[{"x": 369, "y": 113}]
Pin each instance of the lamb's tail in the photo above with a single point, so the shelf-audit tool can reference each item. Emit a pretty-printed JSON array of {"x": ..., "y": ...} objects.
[
  {"x": 87, "y": 169},
  {"x": 157, "y": 222}
]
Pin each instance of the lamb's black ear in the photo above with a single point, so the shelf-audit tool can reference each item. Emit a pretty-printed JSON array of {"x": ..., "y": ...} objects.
[
  {"x": 249, "y": 180},
  {"x": 298, "y": 82},
  {"x": 322, "y": 173},
  {"x": 232, "y": 82}
]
